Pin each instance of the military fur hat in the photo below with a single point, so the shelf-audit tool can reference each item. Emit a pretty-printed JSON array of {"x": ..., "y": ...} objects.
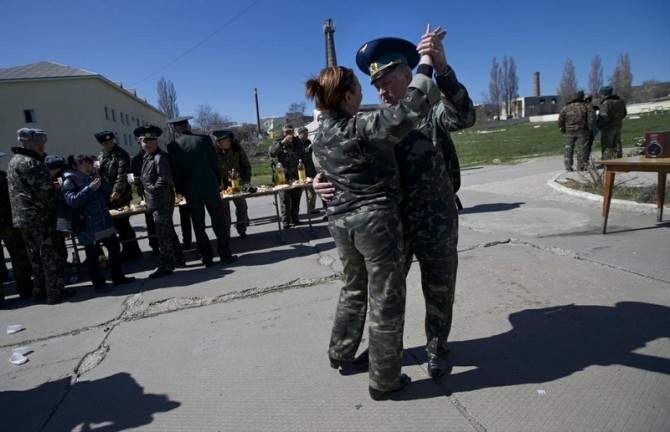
[
  {"x": 54, "y": 162},
  {"x": 31, "y": 135}
]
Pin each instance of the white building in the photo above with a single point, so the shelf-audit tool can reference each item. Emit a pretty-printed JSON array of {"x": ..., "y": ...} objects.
[{"x": 70, "y": 105}]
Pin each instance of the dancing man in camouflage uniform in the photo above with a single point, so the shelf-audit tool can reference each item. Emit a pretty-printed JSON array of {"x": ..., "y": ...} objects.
[
  {"x": 16, "y": 247},
  {"x": 575, "y": 122},
  {"x": 612, "y": 112},
  {"x": 33, "y": 199}
]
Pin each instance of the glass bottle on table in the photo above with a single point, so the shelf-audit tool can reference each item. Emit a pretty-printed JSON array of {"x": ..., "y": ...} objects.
[
  {"x": 302, "y": 174},
  {"x": 281, "y": 174},
  {"x": 234, "y": 178}
]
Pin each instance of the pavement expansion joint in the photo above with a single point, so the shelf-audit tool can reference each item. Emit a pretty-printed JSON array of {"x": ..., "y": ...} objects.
[{"x": 92, "y": 359}]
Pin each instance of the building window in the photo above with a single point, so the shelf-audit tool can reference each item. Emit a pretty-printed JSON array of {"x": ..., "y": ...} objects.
[
  {"x": 29, "y": 116},
  {"x": 138, "y": 122},
  {"x": 127, "y": 121},
  {"x": 121, "y": 115},
  {"x": 541, "y": 101},
  {"x": 553, "y": 101},
  {"x": 113, "y": 115},
  {"x": 106, "y": 113}
]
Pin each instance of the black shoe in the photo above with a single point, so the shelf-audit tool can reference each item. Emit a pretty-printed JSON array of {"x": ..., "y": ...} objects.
[
  {"x": 207, "y": 262},
  {"x": 362, "y": 361},
  {"x": 324, "y": 219},
  {"x": 180, "y": 263},
  {"x": 160, "y": 272},
  {"x": 437, "y": 366},
  {"x": 125, "y": 280},
  {"x": 243, "y": 235},
  {"x": 286, "y": 226},
  {"x": 65, "y": 293},
  {"x": 229, "y": 259},
  {"x": 39, "y": 296},
  {"x": 315, "y": 211},
  {"x": 103, "y": 289},
  {"x": 296, "y": 223},
  {"x": 382, "y": 394}
]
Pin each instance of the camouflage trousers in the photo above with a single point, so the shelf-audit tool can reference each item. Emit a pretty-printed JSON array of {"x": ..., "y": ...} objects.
[
  {"x": 431, "y": 234},
  {"x": 47, "y": 264},
  {"x": 13, "y": 239},
  {"x": 290, "y": 205},
  {"x": 311, "y": 199},
  {"x": 369, "y": 243},
  {"x": 610, "y": 143},
  {"x": 578, "y": 140},
  {"x": 241, "y": 215},
  {"x": 168, "y": 242}
]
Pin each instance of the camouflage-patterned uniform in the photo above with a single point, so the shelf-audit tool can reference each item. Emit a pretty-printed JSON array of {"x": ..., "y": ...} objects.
[
  {"x": 33, "y": 199},
  {"x": 357, "y": 156},
  {"x": 612, "y": 112},
  {"x": 115, "y": 167},
  {"x": 288, "y": 156},
  {"x": 16, "y": 247},
  {"x": 310, "y": 171},
  {"x": 236, "y": 158},
  {"x": 429, "y": 168},
  {"x": 575, "y": 121},
  {"x": 156, "y": 179}
]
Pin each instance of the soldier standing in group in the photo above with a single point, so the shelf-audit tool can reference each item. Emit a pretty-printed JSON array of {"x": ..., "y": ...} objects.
[
  {"x": 612, "y": 112},
  {"x": 115, "y": 167},
  {"x": 156, "y": 179},
  {"x": 33, "y": 199},
  {"x": 288, "y": 150},
  {"x": 16, "y": 247},
  {"x": 197, "y": 176},
  {"x": 310, "y": 170},
  {"x": 136, "y": 168},
  {"x": 575, "y": 121},
  {"x": 233, "y": 157},
  {"x": 429, "y": 177}
]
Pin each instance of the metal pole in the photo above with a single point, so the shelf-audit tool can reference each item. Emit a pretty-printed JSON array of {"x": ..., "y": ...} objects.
[{"x": 258, "y": 116}]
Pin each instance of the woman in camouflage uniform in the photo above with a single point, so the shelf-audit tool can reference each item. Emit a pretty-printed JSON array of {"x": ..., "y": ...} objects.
[{"x": 356, "y": 153}]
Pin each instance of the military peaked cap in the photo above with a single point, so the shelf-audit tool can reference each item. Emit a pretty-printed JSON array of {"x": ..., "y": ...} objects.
[
  {"x": 379, "y": 56},
  {"x": 103, "y": 136},
  {"x": 606, "y": 90},
  {"x": 221, "y": 134},
  {"x": 179, "y": 121},
  {"x": 151, "y": 132}
]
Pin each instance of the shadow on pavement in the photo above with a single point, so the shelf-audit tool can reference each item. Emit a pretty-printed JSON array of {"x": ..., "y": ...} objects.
[
  {"x": 114, "y": 403},
  {"x": 490, "y": 208}
]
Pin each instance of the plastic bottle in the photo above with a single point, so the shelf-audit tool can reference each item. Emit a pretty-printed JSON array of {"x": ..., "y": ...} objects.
[
  {"x": 302, "y": 174},
  {"x": 281, "y": 174},
  {"x": 234, "y": 178}
]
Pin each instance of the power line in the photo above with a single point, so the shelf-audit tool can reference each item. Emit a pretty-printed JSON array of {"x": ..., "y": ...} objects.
[{"x": 184, "y": 54}]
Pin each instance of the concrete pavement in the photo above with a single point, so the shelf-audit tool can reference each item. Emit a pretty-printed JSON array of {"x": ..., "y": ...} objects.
[{"x": 556, "y": 328}]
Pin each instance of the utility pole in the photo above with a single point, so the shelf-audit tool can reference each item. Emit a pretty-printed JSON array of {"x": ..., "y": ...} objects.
[{"x": 258, "y": 116}]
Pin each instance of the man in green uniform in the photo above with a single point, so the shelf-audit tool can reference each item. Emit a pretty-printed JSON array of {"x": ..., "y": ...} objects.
[
  {"x": 115, "y": 167},
  {"x": 288, "y": 150},
  {"x": 16, "y": 247},
  {"x": 197, "y": 176},
  {"x": 612, "y": 112},
  {"x": 575, "y": 121},
  {"x": 157, "y": 184},
  {"x": 33, "y": 199},
  {"x": 429, "y": 177}
]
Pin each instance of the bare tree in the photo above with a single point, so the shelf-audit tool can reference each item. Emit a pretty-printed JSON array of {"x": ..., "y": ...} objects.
[
  {"x": 295, "y": 114},
  {"x": 167, "y": 101},
  {"x": 495, "y": 89},
  {"x": 207, "y": 119},
  {"x": 510, "y": 84},
  {"x": 595, "y": 76},
  {"x": 622, "y": 78},
  {"x": 567, "y": 88}
]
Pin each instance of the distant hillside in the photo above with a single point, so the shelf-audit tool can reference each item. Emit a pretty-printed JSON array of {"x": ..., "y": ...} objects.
[{"x": 649, "y": 91}]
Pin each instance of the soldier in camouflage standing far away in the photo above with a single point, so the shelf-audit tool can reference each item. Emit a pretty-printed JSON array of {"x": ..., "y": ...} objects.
[
  {"x": 429, "y": 177},
  {"x": 115, "y": 167},
  {"x": 575, "y": 122},
  {"x": 33, "y": 199},
  {"x": 16, "y": 247},
  {"x": 156, "y": 178},
  {"x": 612, "y": 113},
  {"x": 356, "y": 153},
  {"x": 287, "y": 150}
]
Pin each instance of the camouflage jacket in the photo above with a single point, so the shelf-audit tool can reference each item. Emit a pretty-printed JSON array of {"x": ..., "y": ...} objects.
[
  {"x": 237, "y": 159},
  {"x": 612, "y": 112},
  {"x": 156, "y": 179},
  {"x": 356, "y": 154},
  {"x": 115, "y": 167},
  {"x": 5, "y": 206},
  {"x": 576, "y": 116},
  {"x": 310, "y": 170},
  {"x": 31, "y": 190},
  {"x": 288, "y": 156},
  {"x": 427, "y": 158}
]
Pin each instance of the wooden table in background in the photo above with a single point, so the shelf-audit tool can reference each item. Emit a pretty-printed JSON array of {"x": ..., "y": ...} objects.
[{"x": 634, "y": 164}]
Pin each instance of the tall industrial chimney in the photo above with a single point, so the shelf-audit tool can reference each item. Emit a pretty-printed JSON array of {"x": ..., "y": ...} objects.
[
  {"x": 536, "y": 84},
  {"x": 328, "y": 30}
]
